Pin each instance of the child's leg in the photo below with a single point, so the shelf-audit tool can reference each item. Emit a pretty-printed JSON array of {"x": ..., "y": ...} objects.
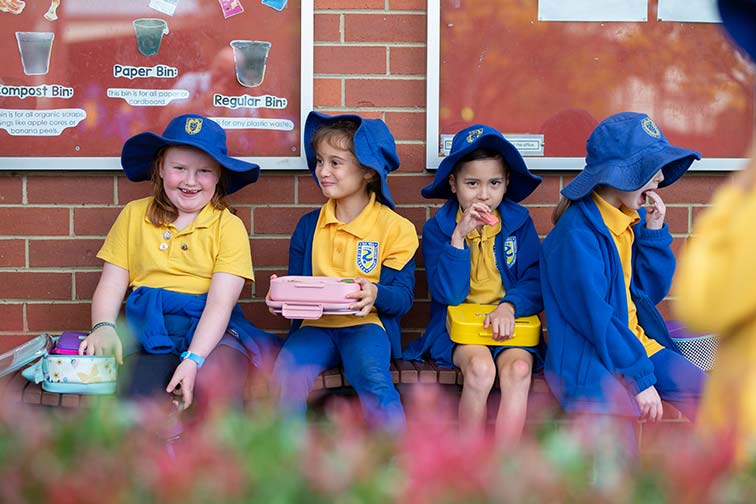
[
  {"x": 479, "y": 371},
  {"x": 678, "y": 381},
  {"x": 366, "y": 356},
  {"x": 146, "y": 375},
  {"x": 305, "y": 354},
  {"x": 515, "y": 367},
  {"x": 221, "y": 380}
]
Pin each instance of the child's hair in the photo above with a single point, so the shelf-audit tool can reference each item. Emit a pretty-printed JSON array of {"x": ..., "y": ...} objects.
[
  {"x": 340, "y": 135},
  {"x": 562, "y": 206},
  {"x": 161, "y": 210},
  {"x": 477, "y": 154}
]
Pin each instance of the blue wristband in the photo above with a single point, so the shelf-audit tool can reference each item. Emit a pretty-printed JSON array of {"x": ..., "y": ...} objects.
[{"x": 198, "y": 359}]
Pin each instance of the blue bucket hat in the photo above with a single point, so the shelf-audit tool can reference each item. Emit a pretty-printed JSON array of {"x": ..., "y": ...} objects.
[
  {"x": 193, "y": 130},
  {"x": 739, "y": 18},
  {"x": 625, "y": 151},
  {"x": 472, "y": 138},
  {"x": 374, "y": 147}
]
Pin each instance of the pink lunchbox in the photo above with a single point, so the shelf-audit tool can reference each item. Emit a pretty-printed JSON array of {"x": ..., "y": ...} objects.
[
  {"x": 68, "y": 343},
  {"x": 311, "y": 297}
]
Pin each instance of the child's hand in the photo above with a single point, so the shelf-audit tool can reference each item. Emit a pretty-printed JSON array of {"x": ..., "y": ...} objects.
[
  {"x": 501, "y": 321},
  {"x": 103, "y": 341},
  {"x": 474, "y": 216},
  {"x": 366, "y": 296},
  {"x": 182, "y": 382},
  {"x": 267, "y": 296},
  {"x": 655, "y": 212},
  {"x": 650, "y": 404}
]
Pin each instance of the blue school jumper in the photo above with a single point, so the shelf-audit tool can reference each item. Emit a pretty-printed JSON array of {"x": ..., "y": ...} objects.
[
  {"x": 594, "y": 362},
  {"x": 361, "y": 348},
  {"x": 164, "y": 321},
  {"x": 448, "y": 268}
]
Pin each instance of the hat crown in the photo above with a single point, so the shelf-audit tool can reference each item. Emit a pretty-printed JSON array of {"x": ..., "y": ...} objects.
[
  {"x": 196, "y": 129},
  {"x": 377, "y": 135},
  {"x": 621, "y": 137},
  {"x": 472, "y": 134}
]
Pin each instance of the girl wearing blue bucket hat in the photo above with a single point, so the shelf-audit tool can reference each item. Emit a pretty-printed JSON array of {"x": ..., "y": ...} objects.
[
  {"x": 355, "y": 234},
  {"x": 714, "y": 287},
  {"x": 185, "y": 258},
  {"x": 605, "y": 266},
  {"x": 473, "y": 258}
]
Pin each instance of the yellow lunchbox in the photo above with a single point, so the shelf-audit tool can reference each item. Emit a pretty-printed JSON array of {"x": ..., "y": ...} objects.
[{"x": 465, "y": 325}]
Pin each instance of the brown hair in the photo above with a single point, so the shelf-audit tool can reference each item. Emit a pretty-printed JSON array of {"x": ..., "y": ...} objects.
[
  {"x": 561, "y": 207},
  {"x": 340, "y": 135},
  {"x": 161, "y": 210}
]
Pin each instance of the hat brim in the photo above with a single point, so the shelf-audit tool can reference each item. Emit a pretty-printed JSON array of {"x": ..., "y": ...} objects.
[
  {"x": 317, "y": 119},
  {"x": 739, "y": 19},
  {"x": 138, "y": 155},
  {"x": 521, "y": 182},
  {"x": 631, "y": 176}
]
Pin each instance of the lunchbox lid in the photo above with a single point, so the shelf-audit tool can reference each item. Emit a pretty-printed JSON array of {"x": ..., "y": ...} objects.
[{"x": 25, "y": 353}]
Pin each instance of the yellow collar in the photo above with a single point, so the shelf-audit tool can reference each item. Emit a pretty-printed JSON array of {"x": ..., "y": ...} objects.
[
  {"x": 206, "y": 218},
  {"x": 360, "y": 226},
  {"x": 618, "y": 220}
]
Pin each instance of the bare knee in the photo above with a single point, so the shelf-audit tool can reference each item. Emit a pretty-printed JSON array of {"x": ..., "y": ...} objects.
[
  {"x": 516, "y": 373},
  {"x": 479, "y": 374}
]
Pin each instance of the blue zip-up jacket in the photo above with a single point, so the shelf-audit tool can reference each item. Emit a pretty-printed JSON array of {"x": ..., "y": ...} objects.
[
  {"x": 396, "y": 288},
  {"x": 164, "y": 322},
  {"x": 595, "y": 363},
  {"x": 448, "y": 270}
]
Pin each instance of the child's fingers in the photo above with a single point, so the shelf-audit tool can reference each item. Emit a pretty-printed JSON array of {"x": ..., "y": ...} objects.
[
  {"x": 172, "y": 384},
  {"x": 188, "y": 396},
  {"x": 83, "y": 346}
]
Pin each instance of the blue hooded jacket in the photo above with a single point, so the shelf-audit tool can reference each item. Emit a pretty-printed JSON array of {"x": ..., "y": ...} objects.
[
  {"x": 447, "y": 270},
  {"x": 595, "y": 363},
  {"x": 396, "y": 288}
]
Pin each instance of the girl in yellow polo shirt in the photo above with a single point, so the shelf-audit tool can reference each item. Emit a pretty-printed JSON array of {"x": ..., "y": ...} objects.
[
  {"x": 355, "y": 234},
  {"x": 185, "y": 257},
  {"x": 604, "y": 267}
]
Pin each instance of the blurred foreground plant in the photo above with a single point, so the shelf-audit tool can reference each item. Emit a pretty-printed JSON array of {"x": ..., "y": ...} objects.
[{"x": 118, "y": 453}]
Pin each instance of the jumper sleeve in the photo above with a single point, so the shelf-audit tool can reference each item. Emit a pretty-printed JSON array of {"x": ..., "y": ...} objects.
[
  {"x": 396, "y": 290},
  {"x": 447, "y": 269},
  {"x": 653, "y": 261},
  {"x": 715, "y": 285}
]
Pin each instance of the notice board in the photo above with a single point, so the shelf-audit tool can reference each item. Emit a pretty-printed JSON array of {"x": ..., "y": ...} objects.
[
  {"x": 79, "y": 77},
  {"x": 547, "y": 83}
]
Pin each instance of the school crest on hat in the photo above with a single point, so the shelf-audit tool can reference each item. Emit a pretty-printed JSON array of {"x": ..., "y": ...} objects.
[
  {"x": 473, "y": 135},
  {"x": 193, "y": 125},
  {"x": 367, "y": 256}
]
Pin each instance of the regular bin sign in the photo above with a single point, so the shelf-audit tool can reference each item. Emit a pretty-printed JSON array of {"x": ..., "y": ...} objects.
[{"x": 81, "y": 76}]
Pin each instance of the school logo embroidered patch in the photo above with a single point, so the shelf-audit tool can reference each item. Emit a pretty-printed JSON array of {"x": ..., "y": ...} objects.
[
  {"x": 650, "y": 127},
  {"x": 367, "y": 256},
  {"x": 471, "y": 136},
  {"x": 193, "y": 125},
  {"x": 510, "y": 250}
]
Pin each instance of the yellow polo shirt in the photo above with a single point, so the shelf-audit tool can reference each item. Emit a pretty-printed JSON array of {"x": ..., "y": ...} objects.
[
  {"x": 181, "y": 261},
  {"x": 376, "y": 238},
  {"x": 486, "y": 286},
  {"x": 620, "y": 222}
]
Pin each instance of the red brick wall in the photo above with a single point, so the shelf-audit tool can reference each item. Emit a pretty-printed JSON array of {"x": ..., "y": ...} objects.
[{"x": 369, "y": 58}]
